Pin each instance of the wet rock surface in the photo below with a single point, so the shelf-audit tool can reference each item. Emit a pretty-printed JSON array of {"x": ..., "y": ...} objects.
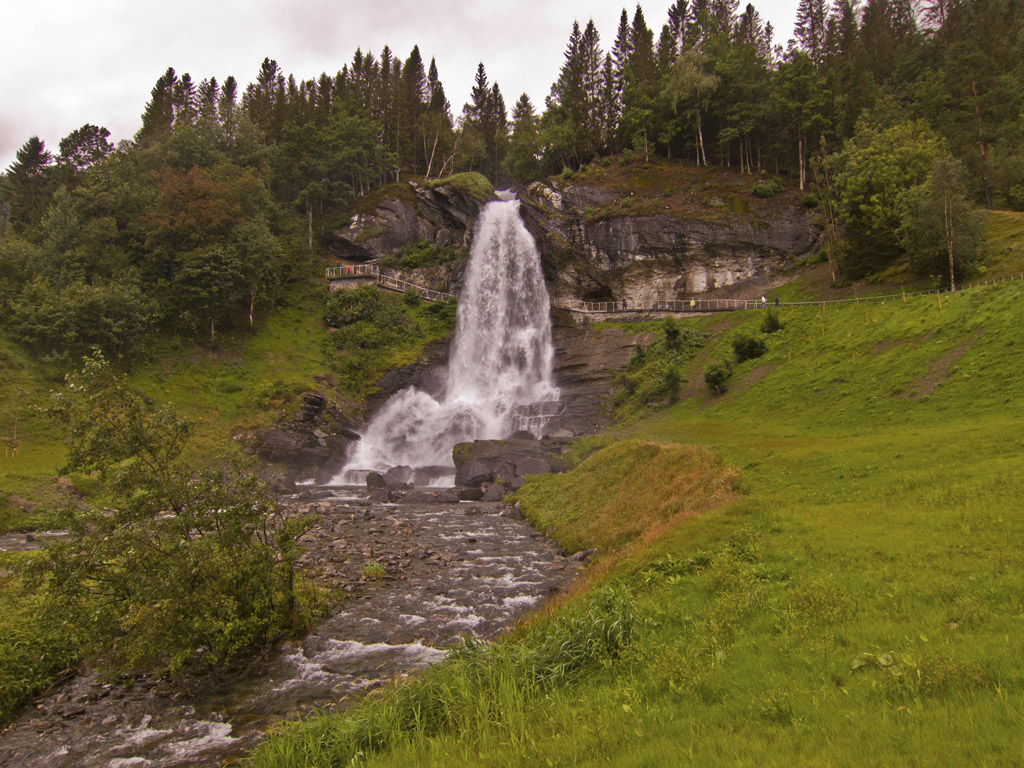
[
  {"x": 441, "y": 572},
  {"x": 484, "y": 462},
  {"x": 644, "y": 258}
]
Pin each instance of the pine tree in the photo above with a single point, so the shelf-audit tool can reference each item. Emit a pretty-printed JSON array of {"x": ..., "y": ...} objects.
[
  {"x": 227, "y": 104},
  {"x": 438, "y": 100},
  {"x": 185, "y": 101},
  {"x": 415, "y": 99},
  {"x": 24, "y": 186},
  {"x": 475, "y": 112},
  {"x": 810, "y": 29},
  {"x": 158, "y": 117},
  {"x": 208, "y": 95},
  {"x": 678, "y": 13},
  {"x": 324, "y": 99}
]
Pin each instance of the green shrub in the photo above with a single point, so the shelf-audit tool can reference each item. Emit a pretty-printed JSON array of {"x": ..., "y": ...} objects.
[
  {"x": 766, "y": 188},
  {"x": 1015, "y": 197},
  {"x": 654, "y": 371},
  {"x": 177, "y": 566},
  {"x": 373, "y": 571},
  {"x": 672, "y": 333},
  {"x": 567, "y": 173},
  {"x": 746, "y": 347},
  {"x": 349, "y": 306},
  {"x": 424, "y": 254},
  {"x": 411, "y": 297},
  {"x": 716, "y": 373},
  {"x": 811, "y": 201},
  {"x": 771, "y": 322}
]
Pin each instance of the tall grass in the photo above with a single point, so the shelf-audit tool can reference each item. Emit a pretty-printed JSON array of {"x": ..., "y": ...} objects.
[{"x": 479, "y": 687}]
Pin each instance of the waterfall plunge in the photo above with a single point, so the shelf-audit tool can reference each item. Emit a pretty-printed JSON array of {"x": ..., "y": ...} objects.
[{"x": 500, "y": 362}]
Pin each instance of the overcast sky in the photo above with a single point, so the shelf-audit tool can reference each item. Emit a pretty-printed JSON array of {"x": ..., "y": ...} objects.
[{"x": 64, "y": 63}]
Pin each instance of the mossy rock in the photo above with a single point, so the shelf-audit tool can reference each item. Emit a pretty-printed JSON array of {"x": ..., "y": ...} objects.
[{"x": 474, "y": 184}]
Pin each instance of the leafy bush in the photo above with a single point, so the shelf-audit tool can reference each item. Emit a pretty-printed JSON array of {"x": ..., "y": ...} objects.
[
  {"x": 1015, "y": 197},
  {"x": 746, "y": 347},
  {"x": 65, "y": 322},
  {"x": 771, "y": 322},
  {"x": 716, "y": 373},
  {"x": 176, "y": 566},
  {"x": 35, "y": 645},
  {"x": 654, "y": 372},
  {"x": 811, "y": 200},
  {"x": 349, "y": 306},
  {"x": 766, "y": 188},
  {"x": 385, "y": 330},
  {"x": 567, "y": 173},
  {"x": 424, "y": 254}
]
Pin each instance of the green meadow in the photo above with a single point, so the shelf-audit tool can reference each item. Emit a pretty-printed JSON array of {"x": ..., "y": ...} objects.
[{"x": 822, "y": 566}]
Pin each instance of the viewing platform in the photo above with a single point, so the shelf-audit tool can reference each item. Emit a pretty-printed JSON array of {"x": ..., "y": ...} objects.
[{"x": 347, "y": 277}]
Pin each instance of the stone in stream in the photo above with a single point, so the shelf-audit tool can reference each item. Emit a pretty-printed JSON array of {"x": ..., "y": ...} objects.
[
  {"x": 398, "y": 476},
  {"x": 486, "y": 460},
  {"x": 470, "y": 494},
  {"x": 473, "y": 473},
  {"x": 493, "y": 492},
  {"x": 430, "y": 497},
  {"x": 375, "y": 481}
]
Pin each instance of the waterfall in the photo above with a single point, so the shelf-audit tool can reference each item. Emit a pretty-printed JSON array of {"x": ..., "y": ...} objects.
[{"x": 499, "y": 371}]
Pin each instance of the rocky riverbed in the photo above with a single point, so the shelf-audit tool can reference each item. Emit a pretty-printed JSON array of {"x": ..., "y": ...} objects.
[{"x": 439, "y": 572}]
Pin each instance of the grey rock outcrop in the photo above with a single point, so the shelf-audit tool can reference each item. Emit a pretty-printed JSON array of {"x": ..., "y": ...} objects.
[
  {"x": 311, "y": 441},
  {"x": 444, "y": 214},
  {"x": 483, "y": 463},
  {"x": 657, "y": 257}
]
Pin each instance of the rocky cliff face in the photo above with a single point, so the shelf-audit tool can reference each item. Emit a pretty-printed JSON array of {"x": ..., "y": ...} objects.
[
  {"x": 593, "y": 251},
  {"x": 443, "y": 215}
]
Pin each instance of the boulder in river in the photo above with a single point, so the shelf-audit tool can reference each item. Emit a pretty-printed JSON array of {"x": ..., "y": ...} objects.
[
  {"x": 493, "y": 492},
  {"x": 488, "y": 460},
  {"x": 472, "y": 472}
]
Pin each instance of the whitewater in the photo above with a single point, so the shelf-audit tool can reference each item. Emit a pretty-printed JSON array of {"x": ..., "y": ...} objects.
[{"x": 499, "y": 371}]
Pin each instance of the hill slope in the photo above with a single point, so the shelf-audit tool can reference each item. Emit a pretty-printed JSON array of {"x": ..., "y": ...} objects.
[{"x": 856, "y": 596}]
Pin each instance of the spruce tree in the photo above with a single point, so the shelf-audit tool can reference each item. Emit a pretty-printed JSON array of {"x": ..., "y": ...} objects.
[
  {"x": 810, "y": 29},
  {"x": 158, "y": 117},
  {"x": 24, "y": 186}
]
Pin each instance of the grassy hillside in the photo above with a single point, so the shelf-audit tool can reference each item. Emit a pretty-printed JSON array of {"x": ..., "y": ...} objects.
[
  {"x": 842, "y": 583},
  {"x": 239, "y": 383}
]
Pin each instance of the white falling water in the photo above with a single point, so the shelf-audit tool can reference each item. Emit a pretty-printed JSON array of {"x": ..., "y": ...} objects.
[{"x": 500, "y": 362}]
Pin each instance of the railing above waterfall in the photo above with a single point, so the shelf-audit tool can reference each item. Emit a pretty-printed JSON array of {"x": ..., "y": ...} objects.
[
  {"x": 386, "y": 281},
  {"x": 659, "y": 305}
]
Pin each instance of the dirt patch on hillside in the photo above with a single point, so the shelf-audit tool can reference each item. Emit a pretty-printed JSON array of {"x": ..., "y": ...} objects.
[
  {"x": 695, "y": 383},
  {"x": 939, "y": 370},
  {"x": 738, "y": 388},
  {"x": 885, "y": 346}
]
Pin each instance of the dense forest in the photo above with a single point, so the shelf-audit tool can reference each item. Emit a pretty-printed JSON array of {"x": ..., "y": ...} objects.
[{"x": 894, "y": 116}]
